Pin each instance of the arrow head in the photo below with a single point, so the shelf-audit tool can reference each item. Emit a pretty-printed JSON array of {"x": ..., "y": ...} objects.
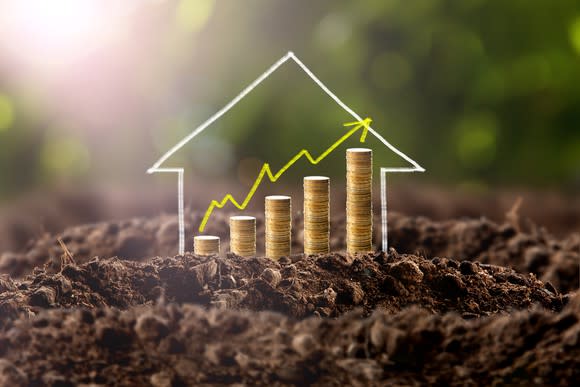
[{"x": 365, "y": 124}]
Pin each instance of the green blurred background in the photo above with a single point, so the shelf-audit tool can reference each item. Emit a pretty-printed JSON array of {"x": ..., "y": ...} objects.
[{"x": 481, "y": 93}]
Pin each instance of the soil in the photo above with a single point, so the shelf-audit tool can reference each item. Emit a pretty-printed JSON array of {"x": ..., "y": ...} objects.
[
  {"x": 527, "y": 248},
  {"x": 29, "y": 216},
  {"x": 173, "y": 345},
  {"x": 455, "y": 302},
  {"x": 299, "y": 287}
]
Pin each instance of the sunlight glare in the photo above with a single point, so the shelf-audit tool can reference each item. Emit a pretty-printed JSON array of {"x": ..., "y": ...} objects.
[{"x": 52, "y": 30}]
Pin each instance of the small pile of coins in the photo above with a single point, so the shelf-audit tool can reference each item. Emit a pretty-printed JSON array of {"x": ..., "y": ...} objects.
[
  {"x": 206, "y": 245},
  {"x": 359, "y": 205},
  {"x": 243, "y": 235},
  {"x": 278, "y": 226},
  {"x": 316, "y": 214}
]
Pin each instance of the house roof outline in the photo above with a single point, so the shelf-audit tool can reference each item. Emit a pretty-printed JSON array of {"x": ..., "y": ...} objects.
[{"x": 156, "y": 168}]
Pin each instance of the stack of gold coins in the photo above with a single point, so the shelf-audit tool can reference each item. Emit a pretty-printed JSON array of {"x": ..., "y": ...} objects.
[
  {"x": 243, "y": 235},
  {"x": 278, "y": 226},
  {"x": 359, "y": 205},
  {"x": 316, "y": 214},
  {"x": 206, "y": 245}
]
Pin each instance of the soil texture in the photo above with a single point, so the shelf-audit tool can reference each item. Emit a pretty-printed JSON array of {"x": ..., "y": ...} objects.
[
  {"x": 527, "y": 248},
  {"x": 177, "y": 345},
  {"x": 456, "y": 302}
]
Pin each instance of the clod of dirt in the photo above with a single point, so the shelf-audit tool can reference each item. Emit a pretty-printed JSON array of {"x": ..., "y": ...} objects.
[
  {"x": 450, "y": 285},
  {"x": 43, "y": 297},
  {"x": 468, "y": 268},
  {"x": 407, "y": 272},
  {"x": 304, "y": 344},
  {"x": 272, "y": 276},
  {"x": 352, "y": 293}
]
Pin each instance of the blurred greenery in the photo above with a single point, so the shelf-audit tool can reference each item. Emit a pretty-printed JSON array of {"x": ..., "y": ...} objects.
[{"x": 480, "y": 93}]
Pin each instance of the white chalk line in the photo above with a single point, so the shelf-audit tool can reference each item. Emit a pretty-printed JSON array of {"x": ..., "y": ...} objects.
[
  {"x": 180, "y": 201},
  {"x": 384, "y": 230},
  {"x": 180, "y": 171},
  {"x": 223, "y": 110}
]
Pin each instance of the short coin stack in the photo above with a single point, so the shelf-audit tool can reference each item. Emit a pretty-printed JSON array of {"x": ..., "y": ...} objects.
[
  {"x": 316, "y": 214},
  {"x": 243, "y": 235},
  {"x": 359, "y": 205},
  {"x": 206, "y": 245},
  {"x": 278, "y": 226}
]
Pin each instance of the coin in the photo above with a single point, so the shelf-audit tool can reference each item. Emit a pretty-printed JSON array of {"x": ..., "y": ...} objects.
[
  {"x": 316, "y": 214},
  {"x": 359, "y": 206},
  {"x": 278, "y": 211},
  {"x": 243, "y": 235},
  {"x": 206, "y": 245}
]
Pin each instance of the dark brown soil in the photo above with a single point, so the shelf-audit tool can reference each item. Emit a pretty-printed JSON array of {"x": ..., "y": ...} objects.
[
  {"x": 451, "y": 311},
  {"x": 324, "y": 286},
  {"x": 172, "y": 345},
  {"x": 29, "y": 216},
  {"x": 528, "y": 249}
]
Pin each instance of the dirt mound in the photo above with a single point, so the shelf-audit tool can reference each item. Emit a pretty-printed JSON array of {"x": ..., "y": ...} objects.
[
  {"x": 29, "y": 215},
  {"x": 335, "y": 319},
  {"x": 530, "y": 250},
  {"x": 136, "y": 239},
  {"x": 325, "y": 286},
  {"x": 175, "y": 345}
]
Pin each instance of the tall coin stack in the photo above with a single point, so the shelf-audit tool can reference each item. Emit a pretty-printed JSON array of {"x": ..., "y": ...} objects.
[
  {"x": 243, "y": 235},
  {"x": 359, "y": 205},
  {"x": 316, "y": 214},
  {"x": 206, "y": 245},
  {"x": 278, "y": 226}
]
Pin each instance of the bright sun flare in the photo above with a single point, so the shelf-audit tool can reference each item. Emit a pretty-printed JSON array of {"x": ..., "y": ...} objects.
[{"x": 55, "y": 30}]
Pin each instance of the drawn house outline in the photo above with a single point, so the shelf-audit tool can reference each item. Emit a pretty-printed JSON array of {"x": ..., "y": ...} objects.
[{"x": 156, "y": 168}]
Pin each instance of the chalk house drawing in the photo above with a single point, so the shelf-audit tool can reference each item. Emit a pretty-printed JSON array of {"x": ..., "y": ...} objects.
[{"x": 157, "y": 167}]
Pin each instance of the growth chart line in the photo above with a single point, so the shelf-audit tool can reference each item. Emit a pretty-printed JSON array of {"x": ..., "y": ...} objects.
[{"x": 267, "y": 171}]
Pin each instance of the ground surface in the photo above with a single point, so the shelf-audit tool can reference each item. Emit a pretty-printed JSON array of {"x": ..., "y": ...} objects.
[{"x": 458, "y": 302}]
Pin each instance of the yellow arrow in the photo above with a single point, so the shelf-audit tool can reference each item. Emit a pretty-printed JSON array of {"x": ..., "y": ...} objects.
[
  {"x": 266, "y": 171},
  {"x": 357, "y": 124}
]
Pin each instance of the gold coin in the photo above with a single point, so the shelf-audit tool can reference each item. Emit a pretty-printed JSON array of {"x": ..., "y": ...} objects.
[
  {"x": 359, "y": 209},
  {"x": 243, "y": 235},
  {"x": 316, "y": 214},
  {"x": 278, "y": 214},
  {"x": 206, "y": 245}
]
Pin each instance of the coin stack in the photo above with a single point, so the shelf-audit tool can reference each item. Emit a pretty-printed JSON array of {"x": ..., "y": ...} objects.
[
  {"x": 278, "y": 226},
  {"x": 316, "y": 214},
  {"x": 359, "y": 205},
  {"x": 206, "y": 245},
  {"x": 243, "y": 235}
]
